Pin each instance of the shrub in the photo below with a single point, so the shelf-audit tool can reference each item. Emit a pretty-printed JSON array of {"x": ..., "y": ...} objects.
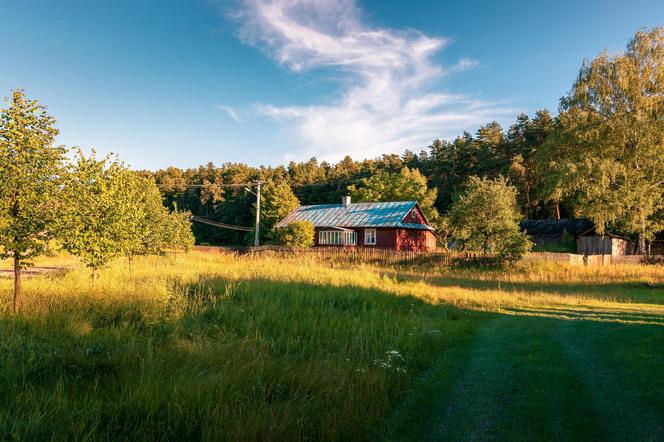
[
  {"x": 512, "y": 245},
  {"x": 296, "y": 234}
]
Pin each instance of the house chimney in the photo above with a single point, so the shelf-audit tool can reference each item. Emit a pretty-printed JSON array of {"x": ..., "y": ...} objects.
[{"x": 345, "y": 200}]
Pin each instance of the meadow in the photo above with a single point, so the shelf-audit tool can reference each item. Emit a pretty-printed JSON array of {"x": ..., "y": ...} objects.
[{"x": 228, "y": 347}]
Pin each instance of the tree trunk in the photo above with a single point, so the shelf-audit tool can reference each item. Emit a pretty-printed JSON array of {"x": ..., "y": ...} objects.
[
  {"x": 95, "y": 274},
  {"x": 16, "y": 305},
  {"x": 556, "y": 205},
  {"x": 642, "y": 244}
]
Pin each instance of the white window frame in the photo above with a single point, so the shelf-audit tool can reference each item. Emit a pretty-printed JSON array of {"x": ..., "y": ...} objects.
[
  {"x": 370, "y": 236},
  {"x": 337, "y": 238}
]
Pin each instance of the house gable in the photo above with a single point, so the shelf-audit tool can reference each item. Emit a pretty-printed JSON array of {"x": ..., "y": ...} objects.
[{"x": 415, "y": 216}]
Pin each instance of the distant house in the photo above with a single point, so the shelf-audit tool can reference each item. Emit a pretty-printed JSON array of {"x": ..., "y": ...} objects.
[
  {"x": 399, "y": 225},
  {"x": 544, "y": 232}
]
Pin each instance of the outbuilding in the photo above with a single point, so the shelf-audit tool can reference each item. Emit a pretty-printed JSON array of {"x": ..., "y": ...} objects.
[
  {"x": 545, "y": 232},
  {"x": 397, "y": 225},
  {"x": 590, "y": 243}
]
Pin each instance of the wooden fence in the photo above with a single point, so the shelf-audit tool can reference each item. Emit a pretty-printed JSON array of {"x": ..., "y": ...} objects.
[
  {"x": 439, "y": 258},
  {"x": 362, "y": 254}
]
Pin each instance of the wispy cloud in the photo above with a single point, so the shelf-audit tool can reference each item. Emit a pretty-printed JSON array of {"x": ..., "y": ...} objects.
[
  {"x": 387, "y": 99},
  {"x": 230, "y": 111}
]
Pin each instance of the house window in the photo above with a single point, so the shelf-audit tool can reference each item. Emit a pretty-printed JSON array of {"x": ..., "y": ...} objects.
[
  {"x": 370, "y": 237},
  {"x": 337, "y": 238}
]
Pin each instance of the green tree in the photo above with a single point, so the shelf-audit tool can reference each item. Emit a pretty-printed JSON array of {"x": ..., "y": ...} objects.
[
  {"x": 278, "y": 200},
  {"x": 608, "y": 146},
  {"x": 179, "y": 235},
  {"x": 31, "y": 169},
  {"x": 406, "y": 185},
  {"x": 296, "y": 234},
  {"x": 484, "y": 217},
  {"x": 526, "y": 138},
  {"x": 211, "y": 195},
  {"x": 100, "y": 221},
  {"x": 147, "y": 227}
]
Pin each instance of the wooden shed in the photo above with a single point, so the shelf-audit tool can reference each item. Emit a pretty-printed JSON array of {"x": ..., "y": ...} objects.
[
  {"x": 397, "y": 225},
  {"x": 589, "y": 243}
]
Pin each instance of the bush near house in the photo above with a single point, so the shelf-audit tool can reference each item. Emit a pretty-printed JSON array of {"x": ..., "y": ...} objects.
[{"x": 296, "y": 234}]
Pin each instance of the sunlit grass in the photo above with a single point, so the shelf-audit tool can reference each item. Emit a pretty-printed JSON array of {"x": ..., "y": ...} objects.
[{"x": 244, "y": 347}]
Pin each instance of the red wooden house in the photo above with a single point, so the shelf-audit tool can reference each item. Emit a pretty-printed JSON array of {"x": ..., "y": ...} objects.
[{"x": 399, "y": 225}]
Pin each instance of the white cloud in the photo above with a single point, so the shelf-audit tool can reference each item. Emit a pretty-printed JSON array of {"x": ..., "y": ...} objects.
[
  {"x": 387, "y": 99},
  {"x": 230, "y": 111}
]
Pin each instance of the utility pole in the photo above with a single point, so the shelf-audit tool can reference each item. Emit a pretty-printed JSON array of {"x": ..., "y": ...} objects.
[{"x": 258, "y": 213}]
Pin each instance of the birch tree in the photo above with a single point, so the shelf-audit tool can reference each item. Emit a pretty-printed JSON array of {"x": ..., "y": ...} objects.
[{"x": 608, "y": 149}]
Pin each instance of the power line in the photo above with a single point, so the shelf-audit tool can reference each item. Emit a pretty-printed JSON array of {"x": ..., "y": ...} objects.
[
  {"x": 221, "y": 225},
  {"x": 200, "y": 186}
]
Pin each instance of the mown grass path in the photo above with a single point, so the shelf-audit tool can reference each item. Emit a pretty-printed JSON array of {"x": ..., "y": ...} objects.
[{"x": 530, "y": 378}]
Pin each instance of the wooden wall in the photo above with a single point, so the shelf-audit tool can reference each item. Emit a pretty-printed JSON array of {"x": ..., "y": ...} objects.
[
  {"x": 601, "y": 245},
  {"x": 416, "y": 240}
]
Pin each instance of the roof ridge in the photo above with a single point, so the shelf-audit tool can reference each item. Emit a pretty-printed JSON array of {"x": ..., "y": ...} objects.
[{"x": 360, "y": 202}]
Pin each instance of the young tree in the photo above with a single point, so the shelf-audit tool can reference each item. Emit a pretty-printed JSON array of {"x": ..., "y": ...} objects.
[
  {"x": 147, "y": 228},
  {"x": 484, "y": 216},
  {"x": 31, "y": 170},
  {"x": 100, "y": 221},
  {"x": 406, "y": 185},
  {"x": 608, "y": 146},
  {"x": 179, "y": 234},
  {"x": 278, "y": 200},
  {"x": 296, "y": 234}
]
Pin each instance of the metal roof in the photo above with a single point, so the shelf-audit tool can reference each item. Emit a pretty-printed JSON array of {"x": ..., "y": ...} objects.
[
  {"x": 573, "y": 226},
  {"x": 389, "y": 214}
]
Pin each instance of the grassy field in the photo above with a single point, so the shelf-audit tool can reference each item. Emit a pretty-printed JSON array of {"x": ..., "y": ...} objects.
[{"x": 212, "y": 346}]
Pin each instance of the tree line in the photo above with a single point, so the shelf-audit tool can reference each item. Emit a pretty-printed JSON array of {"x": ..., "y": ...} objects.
[
  {"x": 600, "y": 157},
  {"x": 95, "y": 209}
]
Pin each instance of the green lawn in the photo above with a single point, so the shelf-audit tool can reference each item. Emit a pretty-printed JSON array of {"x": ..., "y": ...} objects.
[
  {"x": 542, "y": 379},
  {"x": 221, "y": 347}
]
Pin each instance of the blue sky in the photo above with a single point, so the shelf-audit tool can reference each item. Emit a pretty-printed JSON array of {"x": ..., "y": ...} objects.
[{"x": 185, "y": 82}]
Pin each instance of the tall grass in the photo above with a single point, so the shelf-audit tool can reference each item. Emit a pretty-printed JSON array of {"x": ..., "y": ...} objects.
[
  {"x": 211, "y": 346},
  {"x": 218, "y": 346}
]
